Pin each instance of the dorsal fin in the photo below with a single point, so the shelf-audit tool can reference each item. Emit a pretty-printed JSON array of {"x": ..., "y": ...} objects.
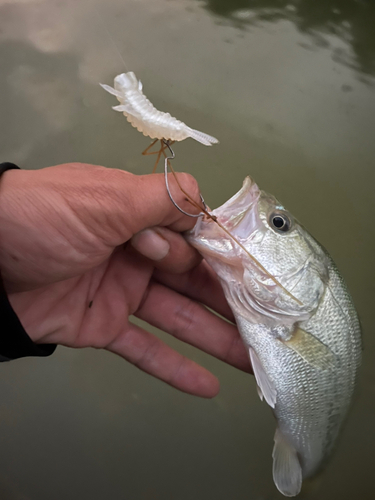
[{"x": 287, "y": 471}]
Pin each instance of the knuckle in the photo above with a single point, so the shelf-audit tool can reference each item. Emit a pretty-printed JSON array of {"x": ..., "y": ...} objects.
[
  {"x": 146, "y": 357},
  {"x": 176, "y": 373},
  {"x": 184, "y": 319},
  {"x": 77, "y": 166},
  {"x": 108, "y": 176}
]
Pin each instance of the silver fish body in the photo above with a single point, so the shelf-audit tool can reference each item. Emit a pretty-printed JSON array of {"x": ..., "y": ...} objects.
[{"x": 296, "y": 318}]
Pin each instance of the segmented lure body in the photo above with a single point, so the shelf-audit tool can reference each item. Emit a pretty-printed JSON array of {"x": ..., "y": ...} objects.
[{"x": 143, "y": 115}]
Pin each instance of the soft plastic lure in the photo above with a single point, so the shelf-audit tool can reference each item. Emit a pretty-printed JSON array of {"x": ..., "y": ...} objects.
[{"x": 143, "y": 115}]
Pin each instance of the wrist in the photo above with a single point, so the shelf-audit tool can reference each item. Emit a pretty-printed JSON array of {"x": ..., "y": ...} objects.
[{"x": 14, "y": 341}]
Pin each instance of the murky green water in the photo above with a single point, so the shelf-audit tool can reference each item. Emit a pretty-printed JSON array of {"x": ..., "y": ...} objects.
[{"x": 289, "y": 89}]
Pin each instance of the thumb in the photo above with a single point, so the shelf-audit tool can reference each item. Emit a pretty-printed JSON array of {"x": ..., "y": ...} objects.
[
  {"x": 59, "y": 221},
  {"x": 114, "y": 204},
  {"x": 148, "y": 203}
]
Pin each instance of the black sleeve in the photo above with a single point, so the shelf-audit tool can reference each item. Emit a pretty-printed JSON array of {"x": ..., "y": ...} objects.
[{"x": 14, "y": 341}]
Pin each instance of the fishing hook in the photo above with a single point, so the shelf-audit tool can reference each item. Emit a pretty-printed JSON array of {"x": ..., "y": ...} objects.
[
  {"x": 214, "y": 218},
  {"x": 167, "y": 158}
]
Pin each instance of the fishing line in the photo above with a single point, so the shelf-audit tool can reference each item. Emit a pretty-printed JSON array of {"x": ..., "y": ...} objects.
[
  {"x": 112, "y": 40},
  {"x": 204, "y": 211}
]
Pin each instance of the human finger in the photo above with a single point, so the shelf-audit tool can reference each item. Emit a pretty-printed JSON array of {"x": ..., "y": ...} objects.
[
  {"x": 110, "y": 199},
  {"x": 152, "y": 205},
  {"x": 192, "y": 323},
  {"x": 167, "y": 249},
  {"x": 172, "y": 254},
  {"x": 199, "y": 283},
  {"x": 121, "y": 202},
  {"x": 153, "y": 356}
]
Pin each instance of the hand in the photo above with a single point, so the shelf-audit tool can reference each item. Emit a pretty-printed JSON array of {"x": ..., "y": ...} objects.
[{"x": 77, "y": 260}]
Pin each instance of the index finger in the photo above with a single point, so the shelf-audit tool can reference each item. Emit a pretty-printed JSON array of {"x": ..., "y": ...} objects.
[{"x": 200, "y": 284}]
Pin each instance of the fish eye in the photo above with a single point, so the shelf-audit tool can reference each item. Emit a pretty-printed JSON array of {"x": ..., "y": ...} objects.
[{"x": 280, "y": 222}]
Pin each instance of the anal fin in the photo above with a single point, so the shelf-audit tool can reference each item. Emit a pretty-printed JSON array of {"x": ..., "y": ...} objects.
[
  {"x": 287, "y": 471},
  {"x": 266, "y": 387}
]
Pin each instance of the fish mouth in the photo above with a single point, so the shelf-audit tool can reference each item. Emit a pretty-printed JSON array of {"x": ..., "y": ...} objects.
[
  {"x": 231, "y": 213},
  {"x": 227, "y": 238},
  {"x": 235, "y": 216}
]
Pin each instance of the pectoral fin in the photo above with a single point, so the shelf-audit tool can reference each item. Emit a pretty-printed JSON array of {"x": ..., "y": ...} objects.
[
  {"x": 260, "y": 393},
  {"x": 311, "y": 350},
  {"x": 266, "y": 387},
  {"x": 287, "y": 472}
]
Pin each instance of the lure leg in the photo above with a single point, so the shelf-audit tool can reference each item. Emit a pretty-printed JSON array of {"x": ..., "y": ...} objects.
[
  {"x": 161, "y": 150},
  {"x": 145, "y": 152}
]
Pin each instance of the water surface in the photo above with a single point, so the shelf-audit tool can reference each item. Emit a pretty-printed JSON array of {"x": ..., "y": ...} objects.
[{"x": 288, "y": 88}]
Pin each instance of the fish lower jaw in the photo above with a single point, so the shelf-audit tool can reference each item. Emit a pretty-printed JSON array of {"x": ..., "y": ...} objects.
[{"x": 212, "y": 254}]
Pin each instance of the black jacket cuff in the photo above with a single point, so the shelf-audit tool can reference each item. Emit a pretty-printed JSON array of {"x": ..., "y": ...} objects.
[{"x": 14, "y": 341}]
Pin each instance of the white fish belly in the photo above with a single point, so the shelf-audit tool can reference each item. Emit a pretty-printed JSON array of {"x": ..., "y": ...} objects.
[{"x": 311, "y": 403}]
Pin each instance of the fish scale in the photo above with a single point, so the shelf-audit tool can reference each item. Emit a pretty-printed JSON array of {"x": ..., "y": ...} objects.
[{"x": 305, "y": 345}]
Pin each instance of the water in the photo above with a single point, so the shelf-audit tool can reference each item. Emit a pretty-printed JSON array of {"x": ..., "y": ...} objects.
[{"x": 288, "y": 88}]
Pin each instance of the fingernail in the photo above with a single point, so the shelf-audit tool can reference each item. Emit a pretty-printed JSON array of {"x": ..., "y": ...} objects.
[{"x": 150, "y": 244}]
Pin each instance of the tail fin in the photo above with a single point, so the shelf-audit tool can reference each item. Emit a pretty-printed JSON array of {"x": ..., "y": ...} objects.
[{"x": 201, "y": 137}]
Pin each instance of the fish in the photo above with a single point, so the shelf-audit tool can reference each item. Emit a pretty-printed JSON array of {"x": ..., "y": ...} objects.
[{"x": 296, "y": 319}]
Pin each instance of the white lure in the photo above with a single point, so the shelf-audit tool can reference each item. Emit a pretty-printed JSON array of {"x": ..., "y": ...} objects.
[{"x": 141, "y": 113}]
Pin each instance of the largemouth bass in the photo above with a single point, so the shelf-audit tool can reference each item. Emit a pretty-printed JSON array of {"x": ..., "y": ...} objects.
[{"x": 297, "y": 320}]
